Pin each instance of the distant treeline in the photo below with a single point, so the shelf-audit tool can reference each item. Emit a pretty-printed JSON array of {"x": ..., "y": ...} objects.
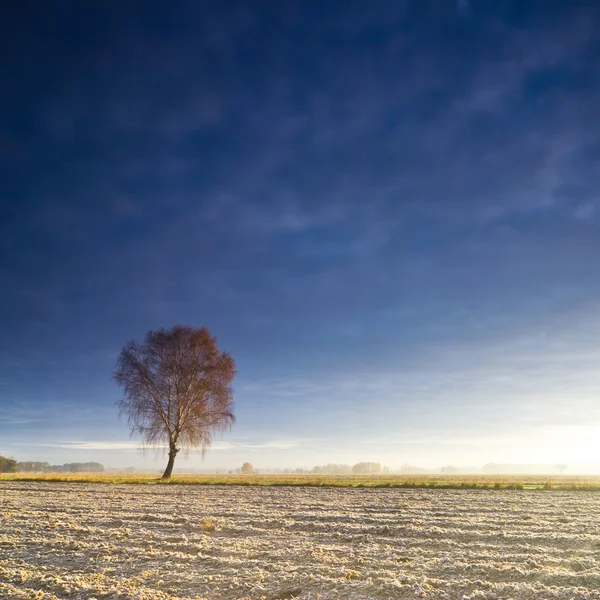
[
  {"x": 362, "y": 468},
  {"x": 44, "y": 467}
]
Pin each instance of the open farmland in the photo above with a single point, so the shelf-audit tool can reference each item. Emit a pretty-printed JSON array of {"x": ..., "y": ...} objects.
[
  {"x": 558, "y": 482},
  {"x": 84, "y": 541}
]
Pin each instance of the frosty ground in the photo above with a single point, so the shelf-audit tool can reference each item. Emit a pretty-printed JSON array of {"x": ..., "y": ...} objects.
[{"x": 84, "y": 541}]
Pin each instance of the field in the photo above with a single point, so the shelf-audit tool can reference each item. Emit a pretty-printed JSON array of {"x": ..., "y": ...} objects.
[
  {"x": 515, "y": 482},
  {"x": 85, "y": 541}
]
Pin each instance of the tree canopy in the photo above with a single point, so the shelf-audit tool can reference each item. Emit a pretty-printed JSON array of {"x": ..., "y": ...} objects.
[
  {"x": 7, "y": 465},
  {"x": 177, "y": 389}
]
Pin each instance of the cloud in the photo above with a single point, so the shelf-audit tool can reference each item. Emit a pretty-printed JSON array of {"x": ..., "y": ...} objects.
[
  {"x": 100, "y": 445},
  {"x": 463, "y": 8},
  {"x": 276, "y": 445},
  {"x": 86, "y": 445},
  {"x": 586, "y": 211},
  {"x": 135, "y": 445}
]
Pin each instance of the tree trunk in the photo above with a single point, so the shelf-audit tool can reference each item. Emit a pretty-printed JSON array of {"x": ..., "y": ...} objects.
[{"x": 169, "y": 469}]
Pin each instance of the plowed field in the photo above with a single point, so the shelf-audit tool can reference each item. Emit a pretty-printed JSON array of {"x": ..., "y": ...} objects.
[{"x": 97, "y": 541}]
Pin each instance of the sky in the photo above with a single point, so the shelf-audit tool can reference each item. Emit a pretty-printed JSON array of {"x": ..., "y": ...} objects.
[{"x": 388, "y": 212}]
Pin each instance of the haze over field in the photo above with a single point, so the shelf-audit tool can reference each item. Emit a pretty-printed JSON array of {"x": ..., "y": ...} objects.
[{"x": 388, "y": 213}]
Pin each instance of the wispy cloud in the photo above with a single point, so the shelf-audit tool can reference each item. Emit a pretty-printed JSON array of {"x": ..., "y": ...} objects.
[{"x": 136, "y": 445}]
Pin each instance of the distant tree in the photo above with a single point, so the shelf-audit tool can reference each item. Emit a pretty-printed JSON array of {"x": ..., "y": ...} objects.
[
  {"x": 411, "y": 469},
  {"x": 247, "y": 468},
  {"x": 331, "y": 469},
  {"x": 33, "y": 467},
  {"x": 561, "y": 467},
  {"x": 177, "y": 388},
  {"x": 88, "y": 467},
  {"x": 366, "y": 468},
  {"x": 449, "y": 470},
  {"x": 44, "y": 467},
  {"x": 8, "y": 465}
]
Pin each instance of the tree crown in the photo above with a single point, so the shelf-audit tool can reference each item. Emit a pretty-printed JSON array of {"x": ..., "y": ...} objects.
[{"x": 177, "y": 388}]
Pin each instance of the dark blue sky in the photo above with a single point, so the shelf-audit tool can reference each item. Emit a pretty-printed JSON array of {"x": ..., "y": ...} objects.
[{"x": 389, "y": 212}]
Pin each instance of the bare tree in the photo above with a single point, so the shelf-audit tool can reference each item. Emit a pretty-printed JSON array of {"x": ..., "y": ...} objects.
[{"x": 177, "y": 389}]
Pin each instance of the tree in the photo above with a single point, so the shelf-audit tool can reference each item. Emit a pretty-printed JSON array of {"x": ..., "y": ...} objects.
[
  {"x": 449, "y": 470},
  {"x": 561, "y": 467},
  {"x": 177, "y": 389},
  {"x": 247, "y": 468},
  {"x": 366, "y": 468},
  {"x": 411, "y": 469},
  {"x": 8, "y": 465},
  {"x": 331, "y": 469},
  {"x": 33, "y": 467}
]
